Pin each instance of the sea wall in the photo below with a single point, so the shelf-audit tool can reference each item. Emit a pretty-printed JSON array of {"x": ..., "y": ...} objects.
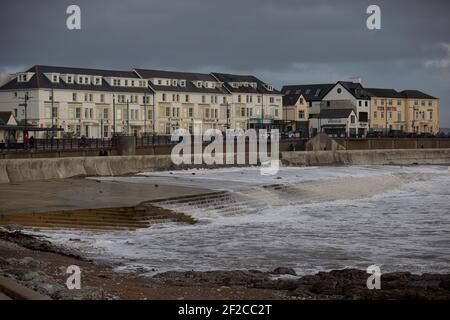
[
  {"x": 367, "y": 157},
  {"x": 20, "y": 170}
]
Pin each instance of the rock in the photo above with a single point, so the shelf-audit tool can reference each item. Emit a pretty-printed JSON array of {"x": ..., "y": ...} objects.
[
  {"x": 284, "y": 270},
  {"x": 13, "y": 227}
]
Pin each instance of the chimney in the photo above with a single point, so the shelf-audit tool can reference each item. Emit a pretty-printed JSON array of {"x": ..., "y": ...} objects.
[{"x": 356, "y": 80}]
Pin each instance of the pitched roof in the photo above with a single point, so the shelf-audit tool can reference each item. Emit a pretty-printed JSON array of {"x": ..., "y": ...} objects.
[
  {"x": 383, "y": 93},
  {"x": 188, "y": 76},
  {"x": 290, "y": 100},
  {"x": 39, "y": 80},
  {"x": 5, "y": 116},
  {"x": 356, "y": 89},
  {"x": 415, "y": 94},
  {"x": 311, "y": 92},
  {"x": 226, "y": 78},
  {"x": 335, "y": 113}
]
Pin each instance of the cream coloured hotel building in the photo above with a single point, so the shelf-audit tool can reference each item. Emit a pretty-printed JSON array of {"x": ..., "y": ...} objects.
[{"x": 98, "y": 103}]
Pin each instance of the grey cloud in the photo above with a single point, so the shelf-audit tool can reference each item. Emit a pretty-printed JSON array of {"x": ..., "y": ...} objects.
[{"x": 285, "y": 41}]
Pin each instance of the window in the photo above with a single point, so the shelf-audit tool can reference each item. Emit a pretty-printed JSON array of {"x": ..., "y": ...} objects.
[
  {"x": 366, "y": 103},
  {"x": 242, "y": 112},
  {"x": 276, "y": 112},
  {"x": 301, "y": 100},
  {"x": 272, "y": 100},
  {"x": 399, "y": 116},
  {"x": 259, "y": 99},
  {"x": 390, "y": 102},
  {"x": 239, "y": 98},
  {"x": 55, "y": 78},
  {"x": 149, "y": 114},
  {"x": 191, "y": 112},
  {"x": 78, "y": 113},
  {"x": 352, "y": 119},
  {"x": 203, "y": 99},
  {"x": 206, "y": 113},
  {"x": 163, "y": 97},
  {"x": 374, "y": 114},
  {"x": 430, "y": 103},
  {"x": 69, "y": 79},
  {"x": 55, "y": 112},
  {"x": 399, "y": 102},
  {"x": 187, "y": 98},
  {"x": 91, "y": 113},
  {"x": 105, "y": 113},
  {"x": 423, "y": 103},
  {"x": 360, "y": 103},
  {"x": 90, "y": 97},
  {"x": 317, "y": 92},
  {"x": 382, "y": 114},
  {"x": 105, "y": 131},
  {"x": 74, "y": 97},
  {"x": 339, "y": 90},
  {"x": 224, "y": 100},
  {"x": 167, "y": 112},
  {"x": 430, "y": 114},
  {"x": 328, "y": 103},
  {"x": 102, "y": 97},
  {"x": 85, "y": 97},
  {"x": 301, "y": 114}
]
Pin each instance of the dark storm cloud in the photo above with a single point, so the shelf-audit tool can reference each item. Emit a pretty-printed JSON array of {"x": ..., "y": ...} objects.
[{"x": 282, "y": 41}]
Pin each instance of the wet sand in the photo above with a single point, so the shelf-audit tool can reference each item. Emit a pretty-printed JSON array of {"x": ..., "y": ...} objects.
[{"x": 80, "y": 193}]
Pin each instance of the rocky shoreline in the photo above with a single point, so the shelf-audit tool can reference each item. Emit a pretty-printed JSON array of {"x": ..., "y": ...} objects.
[{"x": 41, "y": 266}]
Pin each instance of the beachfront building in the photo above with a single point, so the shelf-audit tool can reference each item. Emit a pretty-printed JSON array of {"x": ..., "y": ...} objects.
[
  {"x": 185, "y": 98},
  {"x": 252, "y": 103},
  {"x": 376, "y": 109},
  {"x": 295, "y": 115},
  {"x": 98, "y": 103},
  {"x": 421, "y": 112},
  {"x": 81, "y": 102},
  {"x": 338, "y": 123},
  {"x": 408, "y": 111},
  {"x": 8, "y": 128},
  {"x": 350, "y": 95}
]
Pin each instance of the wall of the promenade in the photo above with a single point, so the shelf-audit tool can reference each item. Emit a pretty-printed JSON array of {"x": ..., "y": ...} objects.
[
  {"x": 367, "y": 157},
  {"x": 20, "y": 170}
]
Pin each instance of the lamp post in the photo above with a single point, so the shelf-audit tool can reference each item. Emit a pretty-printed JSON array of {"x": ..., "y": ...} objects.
[
  {"x": 114, "y": 115},
  {"x": 128, "y": 117},
  {"x": 145, "y": 113}
]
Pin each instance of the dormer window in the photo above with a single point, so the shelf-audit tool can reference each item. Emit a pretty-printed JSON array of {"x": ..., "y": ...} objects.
[
  {"x": 199, "y": 84},
  {"x": 97, "y": 81},
  {"x": 183, "y": 83},
  {"x": 55, "y": 78},
  {"x": 69, "y": 79},
  {"x": 126, "y": 82},
  {"x": 174, "y": 83},
  {"x": 132, "y": 83}
]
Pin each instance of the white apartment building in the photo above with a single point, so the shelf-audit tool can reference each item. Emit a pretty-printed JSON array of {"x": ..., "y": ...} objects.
[
  {"x": 253, "y": 103},
  {"x": 186, "y": 98},
  {"x": 98, "y": 103},
  {"x": 80, "y": 101}
]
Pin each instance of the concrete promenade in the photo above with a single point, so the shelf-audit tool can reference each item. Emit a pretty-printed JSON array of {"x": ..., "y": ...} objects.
[{"x": 21, "y": 170}]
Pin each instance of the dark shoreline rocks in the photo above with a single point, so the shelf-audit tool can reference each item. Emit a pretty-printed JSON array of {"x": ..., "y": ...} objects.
[{"x": 345, "y": 284}]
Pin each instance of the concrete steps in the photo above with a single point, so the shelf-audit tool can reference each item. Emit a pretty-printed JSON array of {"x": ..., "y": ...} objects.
[{"x": 121, "y": 218}]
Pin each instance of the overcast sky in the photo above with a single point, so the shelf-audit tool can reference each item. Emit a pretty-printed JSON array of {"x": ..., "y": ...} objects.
[{"x": 280, "y": 41}]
